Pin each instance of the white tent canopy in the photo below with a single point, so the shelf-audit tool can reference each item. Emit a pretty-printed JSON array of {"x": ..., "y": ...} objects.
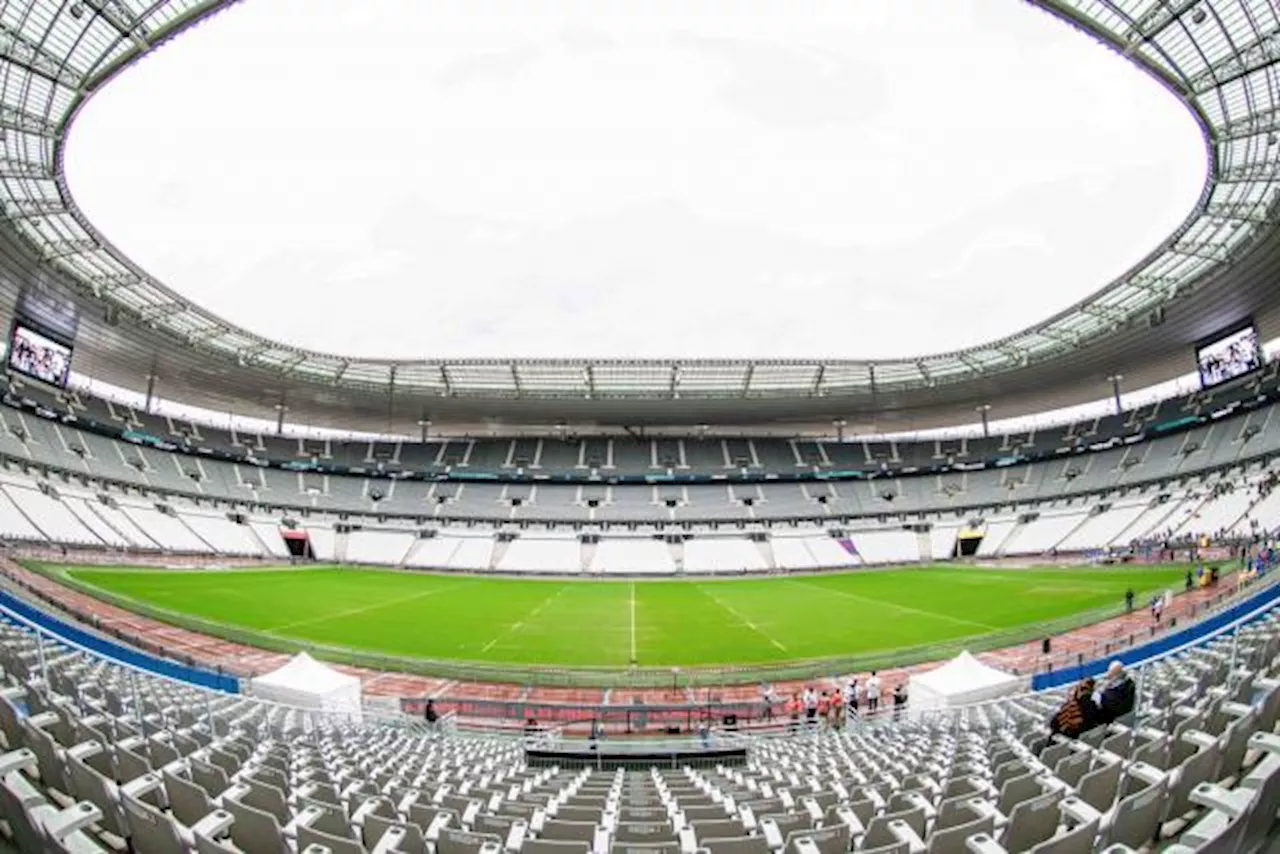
[
  {"x": 962, "y": 681},
  {"x": 308, "y": 684}
]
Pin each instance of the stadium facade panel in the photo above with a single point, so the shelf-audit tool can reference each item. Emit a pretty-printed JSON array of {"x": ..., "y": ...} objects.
[{"x": 1217, "y": 56}]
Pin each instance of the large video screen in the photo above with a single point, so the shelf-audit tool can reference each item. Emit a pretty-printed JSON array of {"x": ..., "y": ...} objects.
[
  {"x": 38, "y": 356},
  {"x": 1231, "y": 355}
]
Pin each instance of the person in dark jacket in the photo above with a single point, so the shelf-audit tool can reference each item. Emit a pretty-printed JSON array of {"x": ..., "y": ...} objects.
[{"x": 1117, "y": 696}]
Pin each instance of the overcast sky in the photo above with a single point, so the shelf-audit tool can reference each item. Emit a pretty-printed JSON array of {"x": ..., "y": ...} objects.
[{"x": 755, "y": 178}]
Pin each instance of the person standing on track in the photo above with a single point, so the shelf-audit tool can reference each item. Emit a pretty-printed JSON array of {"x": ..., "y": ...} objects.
[
  {"x": 899, "y": 700},
  {"x": 429, "y": 713},
  {"x": 793, "y": 711},
  {"x": 769, "y": 699}
]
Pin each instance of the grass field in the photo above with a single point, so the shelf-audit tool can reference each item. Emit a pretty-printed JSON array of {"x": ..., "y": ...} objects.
[{"x": 687, "y": 623}]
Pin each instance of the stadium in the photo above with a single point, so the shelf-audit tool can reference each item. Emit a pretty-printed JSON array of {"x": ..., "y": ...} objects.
[{"x": 1016, "y": 594}]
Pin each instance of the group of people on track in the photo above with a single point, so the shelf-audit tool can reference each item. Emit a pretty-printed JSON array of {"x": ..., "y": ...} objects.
[{"x": 813, "y": 708}]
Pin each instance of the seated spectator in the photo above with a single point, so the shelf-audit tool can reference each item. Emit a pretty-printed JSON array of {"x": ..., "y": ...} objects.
[
  {"x": 1078, "y": 714},
  {"x": 1116, "y": 698}
]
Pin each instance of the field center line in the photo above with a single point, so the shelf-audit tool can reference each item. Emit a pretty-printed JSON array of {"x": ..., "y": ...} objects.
[
  {"x": 739, "y": 617},
  {"x": 537, "y": 609},
  {"x": 869, "y": 600},
  {"x": 350, "y": 612},
  {"x": 633, "y": 621}
]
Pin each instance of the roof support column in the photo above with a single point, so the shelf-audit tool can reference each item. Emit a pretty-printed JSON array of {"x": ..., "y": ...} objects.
[
  {"x": 984, "y": 412},
  {"x": 281, "y": 409},
  {"x": 1115, "y": 379},
  {"x": 151, "y": 392},
  {"x": 391, "y": 401},
  {"x": 424, "y": 427}
]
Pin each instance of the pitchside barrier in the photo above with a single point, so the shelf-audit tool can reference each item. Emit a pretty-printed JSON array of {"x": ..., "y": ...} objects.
[
  {"x": 100, "y": 646},
  {"x": 1227, "y": 620}
]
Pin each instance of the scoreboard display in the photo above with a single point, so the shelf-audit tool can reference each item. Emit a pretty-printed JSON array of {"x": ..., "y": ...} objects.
[{"x": 1231, "y": 353}]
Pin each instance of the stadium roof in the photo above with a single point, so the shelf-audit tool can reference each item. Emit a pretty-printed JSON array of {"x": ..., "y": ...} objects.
[{"x": 1218, "y": 56}]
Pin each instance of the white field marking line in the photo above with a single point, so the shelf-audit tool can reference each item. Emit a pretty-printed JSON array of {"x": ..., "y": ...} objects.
[
  {"x": 738, "y": 615},
  {"x": 363, "y": 609},
  {"x": 633, "y": 621},
  {"x": 527, "y": 617},
  {"x": 872, "y": 601}
]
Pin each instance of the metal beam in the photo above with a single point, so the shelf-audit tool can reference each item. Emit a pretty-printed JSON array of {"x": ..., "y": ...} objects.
[
  {"x": 818, "y": 378},
  {"x": 1109, "y": 313},
  {"x": 66, "y": 248},
  {"x": 1015, "y": 354},
  {"x": 13, "y": 118},
  {"x": 1156, "y": 284},
  {"x": 1261, "y": 170},
  {"x": 149, "y": 313},
  {"x": 342, "y": 369},
  {"x": 11, "y": 167},
  {"x": 1201, "y": 249},
  {"x": 104, "y": 283},
  {"x": 1267, "y": 121},
  {"x": 1256, "y": 212},
  {"x": 197, "y": 338},
  {"x": 17, "y": 48},
  {"x": 249, "y": 354},
  {"x": 444, "y": 378},
  {"x": 746, "y": 380},
  {"x": 924, "y": 372},
  {"x": 515, "y": 379},
  {"x": 122, "y": 19},
  {"x": 675, "y": 380},
  {"x": 1255, "y": 56},
  {"x": 1071, "y": 339},
  {"x": 1157, "y": 19},
  {"x": 591, "y": 380},
  {"x": 16, "y": 209}
]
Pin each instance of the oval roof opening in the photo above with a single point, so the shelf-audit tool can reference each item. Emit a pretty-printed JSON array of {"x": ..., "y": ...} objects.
[{"x": 635, "y": 179}]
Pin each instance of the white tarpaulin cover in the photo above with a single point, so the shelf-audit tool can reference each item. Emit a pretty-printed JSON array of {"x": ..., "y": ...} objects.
[
  {"x": 960, "y": 682},
  {"x": 308, "y": 684}
]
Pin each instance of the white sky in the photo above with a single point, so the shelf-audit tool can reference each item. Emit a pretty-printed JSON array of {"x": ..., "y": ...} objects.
[{"x": 656, "y": 178}]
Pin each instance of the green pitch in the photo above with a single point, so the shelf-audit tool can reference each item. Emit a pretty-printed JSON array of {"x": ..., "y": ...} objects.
[{"x": 613, "y": 624}]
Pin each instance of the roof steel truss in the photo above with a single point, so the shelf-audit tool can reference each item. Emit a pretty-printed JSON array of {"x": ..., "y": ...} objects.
[{"x": 1220, "y": 56}]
